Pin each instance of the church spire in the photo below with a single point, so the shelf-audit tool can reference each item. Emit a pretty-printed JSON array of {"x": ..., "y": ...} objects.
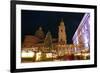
[{"x": 62, "y": 22}]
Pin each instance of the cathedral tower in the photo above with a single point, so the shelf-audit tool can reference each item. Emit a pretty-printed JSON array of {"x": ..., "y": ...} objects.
[{"x": 62, "y": 33}]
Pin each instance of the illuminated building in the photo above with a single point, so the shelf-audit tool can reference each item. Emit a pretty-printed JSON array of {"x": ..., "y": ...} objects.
[
  {"x": 45, "y": 46},
  {"x": 62, "y": 33},
  {"x": 81, "y": 37}
]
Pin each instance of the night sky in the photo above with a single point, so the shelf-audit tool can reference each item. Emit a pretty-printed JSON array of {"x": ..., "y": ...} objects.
[{"x": 49, "y": 21}]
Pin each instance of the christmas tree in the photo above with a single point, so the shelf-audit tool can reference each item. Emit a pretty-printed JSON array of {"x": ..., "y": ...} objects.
[{"x": 48, "y": 41}]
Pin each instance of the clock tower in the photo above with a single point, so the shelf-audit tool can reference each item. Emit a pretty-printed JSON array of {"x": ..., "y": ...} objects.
[{"x": 62, "y": 33}]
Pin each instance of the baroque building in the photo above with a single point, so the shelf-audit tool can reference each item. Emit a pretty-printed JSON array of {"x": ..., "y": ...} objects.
[{"x": 62, "y": 33}]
